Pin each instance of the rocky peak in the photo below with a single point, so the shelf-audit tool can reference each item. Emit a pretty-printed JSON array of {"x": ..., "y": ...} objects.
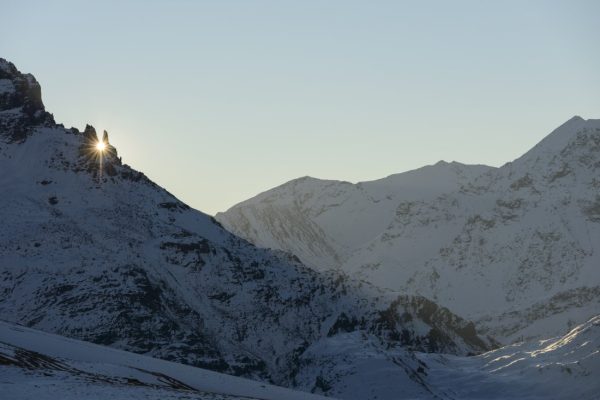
[
  {"x": 22, "y": 112},
  {"x": 90, "y": 133},
  {"x": 21, "y": 106},
  {"x": 91, "y": 158}
]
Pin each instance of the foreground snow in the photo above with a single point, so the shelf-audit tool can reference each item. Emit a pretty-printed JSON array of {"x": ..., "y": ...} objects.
[{"x": 39, "y": 365}]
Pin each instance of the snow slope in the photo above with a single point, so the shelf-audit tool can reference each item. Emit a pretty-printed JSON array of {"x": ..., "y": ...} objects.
[
  {"x": 516, "y": 248},
  {"x": 34, "y": 364},
  {"x": 565, "y": 367}
]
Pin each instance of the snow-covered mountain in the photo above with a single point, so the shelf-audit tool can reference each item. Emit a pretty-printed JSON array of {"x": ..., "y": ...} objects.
[
  {"x": 92, "y": 249},
  {"x": 318, "y": 220},
  {"x": 515, "y": 248}
]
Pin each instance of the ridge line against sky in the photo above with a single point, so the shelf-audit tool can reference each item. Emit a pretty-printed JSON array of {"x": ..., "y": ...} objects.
[{"x": 219, "y": 101}]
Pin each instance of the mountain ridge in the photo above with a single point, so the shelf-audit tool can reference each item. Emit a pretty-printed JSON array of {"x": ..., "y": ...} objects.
[{"x": 504, "y": 232}]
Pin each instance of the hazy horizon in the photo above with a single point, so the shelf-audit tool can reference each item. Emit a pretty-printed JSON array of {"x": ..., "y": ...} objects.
[{"x": 218, "y": 102}]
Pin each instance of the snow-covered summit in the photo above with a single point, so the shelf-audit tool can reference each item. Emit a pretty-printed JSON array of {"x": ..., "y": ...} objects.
[{"x": 558, "y": 139}]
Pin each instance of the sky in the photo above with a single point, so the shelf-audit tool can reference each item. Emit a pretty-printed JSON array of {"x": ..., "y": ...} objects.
[{"x": 219, "y": 100}]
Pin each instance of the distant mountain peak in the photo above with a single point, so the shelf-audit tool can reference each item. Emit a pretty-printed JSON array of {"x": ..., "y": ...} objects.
[
  {"x": 574, "y": 118},
  {"x": 442, "y": 163},
  {"x": 559, "y": 139}
]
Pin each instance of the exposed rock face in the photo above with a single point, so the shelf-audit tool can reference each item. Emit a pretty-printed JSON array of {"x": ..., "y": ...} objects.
[
  {"x": 21, "y": 106},
  {"x": 92, "y": 249}
]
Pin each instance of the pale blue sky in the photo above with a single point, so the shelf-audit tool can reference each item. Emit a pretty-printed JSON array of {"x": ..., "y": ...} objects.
[{"x": 217, "y": 101}]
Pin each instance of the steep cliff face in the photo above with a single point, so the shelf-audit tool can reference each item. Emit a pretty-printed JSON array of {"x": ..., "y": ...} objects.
[
  {"x": 92, "y": 249},
  {"x": 21, "y": 105},
  {"x": 513, "y": 248}
]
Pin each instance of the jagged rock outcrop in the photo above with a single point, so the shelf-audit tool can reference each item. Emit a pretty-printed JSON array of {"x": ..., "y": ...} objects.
[{"x": 98, "y": 160}]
